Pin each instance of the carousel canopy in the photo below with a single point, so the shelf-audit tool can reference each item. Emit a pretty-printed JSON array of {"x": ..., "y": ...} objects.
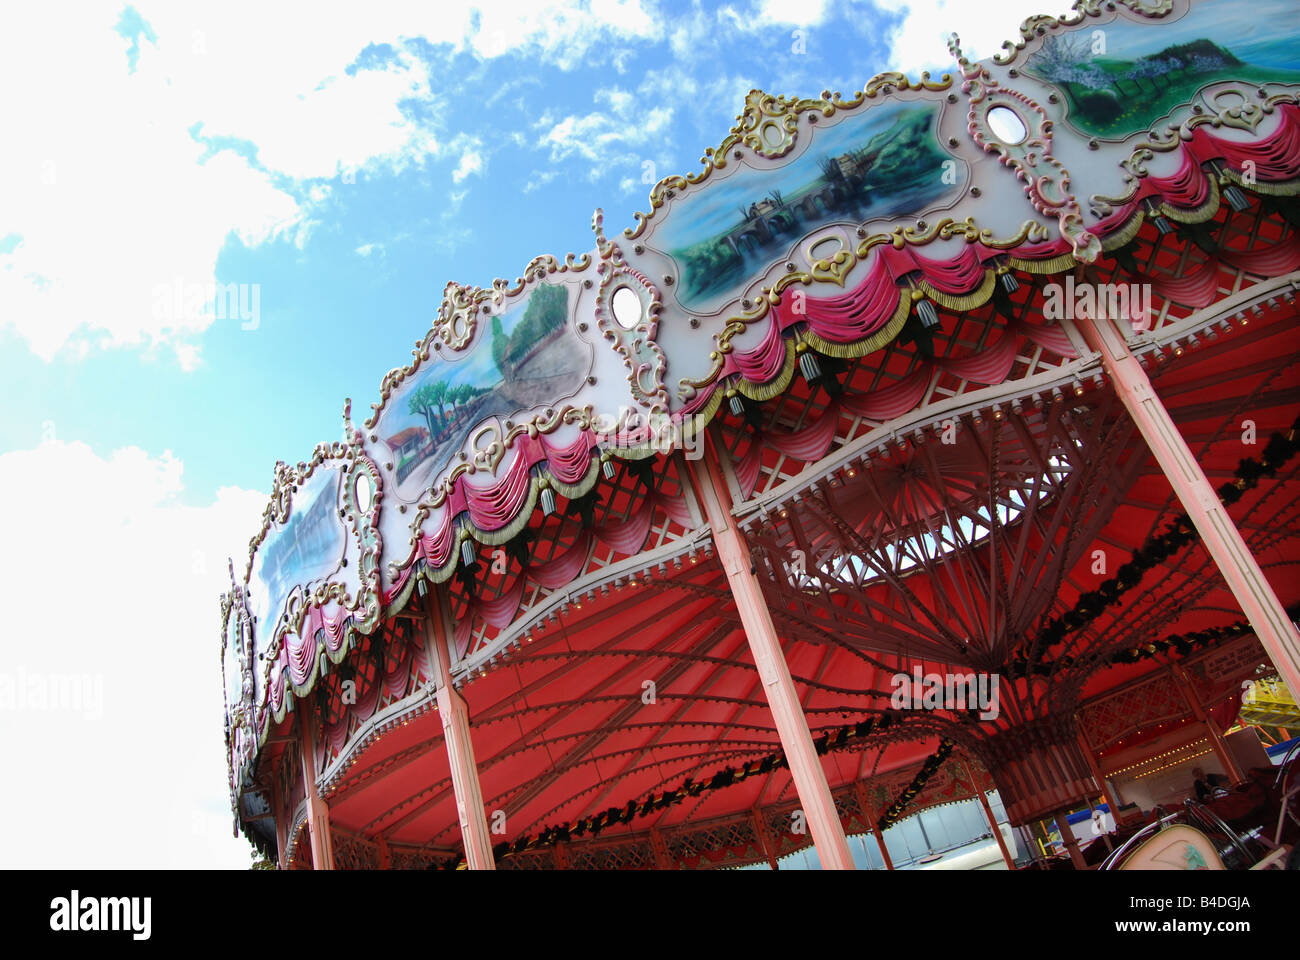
[{"x": 860, "y": 307}]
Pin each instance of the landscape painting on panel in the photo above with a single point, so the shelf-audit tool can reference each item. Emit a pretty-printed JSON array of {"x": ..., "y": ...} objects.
[
  {"x": 1123, "y": 77},
  {"x": 529, "y": 356},
  {"x": 880, "y": 163},
  {"x": 307, "y": 548}
]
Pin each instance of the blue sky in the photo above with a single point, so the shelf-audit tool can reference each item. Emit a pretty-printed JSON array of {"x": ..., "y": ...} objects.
[
  {"x": 356, "y": 276},
  {"x": 343, "y": 162},
  {"x": 497, "y": 155}
]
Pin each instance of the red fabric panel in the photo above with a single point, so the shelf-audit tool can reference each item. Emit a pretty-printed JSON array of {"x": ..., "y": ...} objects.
[
  {"x": 891, "y": 401},
  {"x": 561, "y": 569},
  {"x": 809, "y": 443}
]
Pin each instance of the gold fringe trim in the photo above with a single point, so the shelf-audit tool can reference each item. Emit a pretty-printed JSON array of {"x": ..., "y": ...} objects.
[
  {"x": 879, "y": 339},
  {"x": 1205, "y": 211},
  {"x": 1057, "y": 264},
  {"x": 776, "y": 386},
  {"x": 969, "y": 301},
  {"x": 1287, "y": 188},
  {"x": 1124, "y": 234}
]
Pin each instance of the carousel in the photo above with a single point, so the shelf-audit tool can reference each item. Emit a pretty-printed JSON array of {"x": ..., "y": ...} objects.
[{"x": 927, "y": 441}]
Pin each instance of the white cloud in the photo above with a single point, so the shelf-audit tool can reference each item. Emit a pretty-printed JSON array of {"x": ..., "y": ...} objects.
[
  {"x": 119, "y": 582},
  {"x": 366, "y": 249},
  {"x": 538, "y": 179},
  {"x": 595, "y": 136},
  {"x": 920, "y": 42},
  {"x": 794, "y": 12},
  {"x": 449, "y": 237},
  {"x": 109, "y": 192},
  {"x": 107, "y": 174},
  {"x": 471, "y": 162},
  {"x": 560, "y": 31}
]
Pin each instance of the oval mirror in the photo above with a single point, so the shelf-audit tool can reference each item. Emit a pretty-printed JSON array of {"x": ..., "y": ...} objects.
[
  {"x": 1006, "y": 125},
  {"x": 627, "y": 307},
  {"x": 364, "y": 493}
]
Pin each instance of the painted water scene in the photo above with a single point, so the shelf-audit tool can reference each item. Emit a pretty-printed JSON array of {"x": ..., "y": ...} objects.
[
  {"x": 529, "y": 356},
  {"x": 875, "y": 165},
  {"x": 307, "y": 548},
  {"x": 1123, "y": 77}
]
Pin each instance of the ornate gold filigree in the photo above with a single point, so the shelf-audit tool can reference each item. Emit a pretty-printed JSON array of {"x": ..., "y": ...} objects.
[
  {"x": 769, "y": 127},
  {"x": 365, "y": 608},
  {"x": 1047, "y": 182},
  {"x": 1038, "y": 26},
  {"x": 635, "y": 344},
  {"x": 457, "y": 319},
  {"x": 457, "y": 315}
]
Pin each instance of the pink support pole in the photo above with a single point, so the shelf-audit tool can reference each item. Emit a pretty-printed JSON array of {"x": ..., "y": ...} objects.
[
  {"x": 318, "y": 813},
  {"x": 805, "y": 767},
  {"x": 1219, "y": 534},
  {"x": 455, "y": 734}
]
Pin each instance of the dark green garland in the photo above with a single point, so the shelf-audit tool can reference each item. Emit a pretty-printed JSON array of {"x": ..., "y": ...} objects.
[
  {"x": 1157, "y": 548},
  {"x": 728, "y": 776},
  {"x": 932, "y": 763},
  {"x": 1180, "y": 643}
]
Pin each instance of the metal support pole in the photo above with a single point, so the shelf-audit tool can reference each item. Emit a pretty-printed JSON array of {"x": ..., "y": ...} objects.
[
  {"x": 884, "y": 850},
  {"x": 1068, "y": 838},
  {"x": 1220, "y": 748},
  {"x": 865, "y": 806},
  {"x": 279, "y": 809},
  {"x": 318, "y": 813},
  {"x": 988, "y": 814},
  {"x": 765, "y": 841},
  {"x": 1219, "y": 534},
  {"x": 1105, "y": 788},
  {"x": 455, "y": 734},
  {"x": 663, "y": 859},
  {"x": 805, "y": 766},
  {"x": 997, "y": 830}
]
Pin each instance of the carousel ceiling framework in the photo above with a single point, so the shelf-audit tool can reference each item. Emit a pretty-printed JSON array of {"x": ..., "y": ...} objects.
[{"x": 841, "y": 342}]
